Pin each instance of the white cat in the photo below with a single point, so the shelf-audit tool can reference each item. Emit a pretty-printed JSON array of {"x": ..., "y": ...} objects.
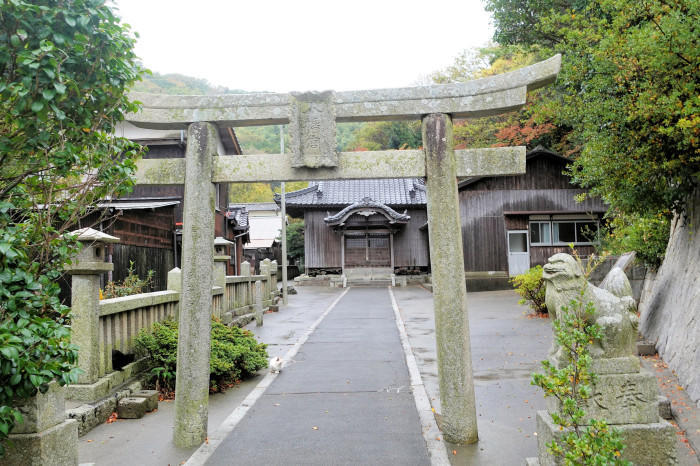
[{"x": 276, "y": 365}]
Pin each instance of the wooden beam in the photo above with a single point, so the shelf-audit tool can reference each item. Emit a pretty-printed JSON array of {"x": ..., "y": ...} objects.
[{"x": 498, "y": 161}]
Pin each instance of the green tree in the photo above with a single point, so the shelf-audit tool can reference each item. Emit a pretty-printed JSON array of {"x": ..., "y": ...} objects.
[
  {"x": 628, "y": 90},
  {"x": 295, "y": 240},
  {"x": 66, "y": 68},
  {"x": 385, "y": 135}
]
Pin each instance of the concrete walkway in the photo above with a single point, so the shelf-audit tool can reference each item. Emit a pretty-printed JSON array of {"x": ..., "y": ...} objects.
[
  {"x": 344, "y": 399},
  {"x": 507, "y": 346},
  {"x": 148, "y": 441}
]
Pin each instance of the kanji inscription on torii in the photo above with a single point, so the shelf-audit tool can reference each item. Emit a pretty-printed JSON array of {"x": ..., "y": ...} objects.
[{"x": 312, "y": 118}]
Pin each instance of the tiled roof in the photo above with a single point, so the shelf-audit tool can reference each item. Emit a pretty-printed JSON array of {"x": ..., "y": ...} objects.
[
  {"x": 239, "y": 215},
  {"x": 394, "y": 191}
]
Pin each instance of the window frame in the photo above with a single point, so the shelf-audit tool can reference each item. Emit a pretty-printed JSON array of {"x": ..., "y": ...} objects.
[
  {"x": 551, "y": 223},
  {"x": 539, "y": 222}
]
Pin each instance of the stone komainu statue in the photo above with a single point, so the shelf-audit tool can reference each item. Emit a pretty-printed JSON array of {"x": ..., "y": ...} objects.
[{"x": 615, "y": 309}]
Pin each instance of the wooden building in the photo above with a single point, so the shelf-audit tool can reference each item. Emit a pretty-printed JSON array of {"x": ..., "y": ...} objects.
[
  {"x": 362, "y": 224},
  {"x": 265, "y": 227},
  {"x": 163, "y": 231},
  {"x": 512, "y": 223}
]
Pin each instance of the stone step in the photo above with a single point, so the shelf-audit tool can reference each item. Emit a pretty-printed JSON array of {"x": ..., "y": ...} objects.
[
  {"x": 151, "y": 397},
  {"x": 369, "y": 282},
  {"x": 132, "y": 408}
]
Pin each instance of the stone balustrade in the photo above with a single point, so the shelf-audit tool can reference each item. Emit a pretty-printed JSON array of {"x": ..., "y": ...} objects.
[
  {"x": 121, "y": 320},
  {"x": 118, "y": 321}
]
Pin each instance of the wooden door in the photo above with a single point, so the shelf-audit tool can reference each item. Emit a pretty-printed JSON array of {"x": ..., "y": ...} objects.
[{"x": 367, "y": 250}]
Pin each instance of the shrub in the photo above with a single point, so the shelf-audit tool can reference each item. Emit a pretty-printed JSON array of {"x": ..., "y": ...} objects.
[
  {"x": 530, "y": 287},
  {"x": 235, "y": 353},
  {"x": 132, "y": 284},
  {"x": 646, "y": 235}
]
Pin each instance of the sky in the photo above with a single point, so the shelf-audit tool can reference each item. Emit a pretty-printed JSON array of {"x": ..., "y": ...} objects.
[{"x": 303, "y": 45}]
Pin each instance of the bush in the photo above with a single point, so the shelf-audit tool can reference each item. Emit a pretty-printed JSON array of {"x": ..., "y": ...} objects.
[
  {"x": 531, "y": 289},
  {"x": 132, "y": 284},
  {"x": 646, "y": 235},
  {"x": 235, "y": 353}
]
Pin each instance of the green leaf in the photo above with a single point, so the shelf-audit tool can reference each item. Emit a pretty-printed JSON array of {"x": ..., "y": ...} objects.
[
  {"x": 70, "y": 21},
  {"x": 48, "y": 94},
  {"x": 60, "y": 88},
  {"x": 37, "y": 106},
  {"x": 14, "y": 380},
  {"x": 10, "y": 352}
]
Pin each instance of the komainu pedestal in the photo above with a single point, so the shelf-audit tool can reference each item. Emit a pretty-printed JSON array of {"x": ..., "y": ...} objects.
[{"x": 624, "y": 396}]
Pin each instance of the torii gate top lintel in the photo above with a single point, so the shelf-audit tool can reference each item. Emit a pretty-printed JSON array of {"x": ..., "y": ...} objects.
[
  {"x": 312, "y": 118},
  {"x": 498, "y": 93}
]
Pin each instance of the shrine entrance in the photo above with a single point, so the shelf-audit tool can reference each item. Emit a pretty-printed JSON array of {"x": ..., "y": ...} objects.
[{"x": 312, "y": 120}]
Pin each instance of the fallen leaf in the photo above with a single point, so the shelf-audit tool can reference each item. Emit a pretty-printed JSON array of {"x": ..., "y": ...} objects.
[
  {"x": 206, "y": 441},
  {"x": 454, "y": 452},
  {"x": 89, "y": 441},
  {"x": 315, "y": 428}
]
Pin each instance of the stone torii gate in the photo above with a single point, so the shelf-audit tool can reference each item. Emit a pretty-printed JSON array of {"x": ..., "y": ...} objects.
[{"x": 312, "y": 121}]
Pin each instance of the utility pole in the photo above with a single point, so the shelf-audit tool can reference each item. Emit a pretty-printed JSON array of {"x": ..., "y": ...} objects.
[{"x": 284, "y": 229}]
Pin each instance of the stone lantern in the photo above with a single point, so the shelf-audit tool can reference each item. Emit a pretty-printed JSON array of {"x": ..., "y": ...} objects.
[
  {"x": 220, "y": 260},
  {"x": 86, "y": 269}
]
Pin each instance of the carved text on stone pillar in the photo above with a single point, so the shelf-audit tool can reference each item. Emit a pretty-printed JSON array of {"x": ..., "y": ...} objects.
[{"x": 312, "y": 129}]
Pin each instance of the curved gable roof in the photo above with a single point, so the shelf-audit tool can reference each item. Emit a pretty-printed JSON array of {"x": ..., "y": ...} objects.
[{"x": 367, "y": 204}]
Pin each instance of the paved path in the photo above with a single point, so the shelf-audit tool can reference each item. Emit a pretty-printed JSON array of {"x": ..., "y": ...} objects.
[{"x": 345, "y": 398}]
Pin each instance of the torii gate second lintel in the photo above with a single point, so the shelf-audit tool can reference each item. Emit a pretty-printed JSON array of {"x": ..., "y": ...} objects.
[{"x": 311, "y": 118}]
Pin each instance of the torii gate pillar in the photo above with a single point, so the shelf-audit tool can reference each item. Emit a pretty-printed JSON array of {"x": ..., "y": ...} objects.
[
  {"x": 458, "y": 421},
  {"x": 192, "y": 377}
]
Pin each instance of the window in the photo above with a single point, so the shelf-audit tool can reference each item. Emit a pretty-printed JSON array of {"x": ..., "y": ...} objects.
[
  {"x": 540, "y": 233},
  {"x": 561, "y": 232},
  {"x": 217, "y": 196},
  {"x": 564, "y": 232}
]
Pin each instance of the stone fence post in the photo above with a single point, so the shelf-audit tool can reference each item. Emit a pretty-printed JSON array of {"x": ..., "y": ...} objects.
[
  {"x": 274, "y": 277},
  {"x": 265, "y": 270},
  {"x": 220, "y": 260},
  {"x": 175, "y": 284},
  {"x": 258, "y": 304},
  {"x": 85, "y": 299},
  {"x": 245, "y": 272}
]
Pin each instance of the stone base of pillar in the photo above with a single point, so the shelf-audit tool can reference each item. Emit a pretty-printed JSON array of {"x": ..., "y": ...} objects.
[
  {"x": 653, "y": 443},
  {"x": 57, "y": 446}
]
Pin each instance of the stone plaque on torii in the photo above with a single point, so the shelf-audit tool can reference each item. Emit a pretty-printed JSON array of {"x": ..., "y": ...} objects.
[{"x": 312, "y": 118}]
